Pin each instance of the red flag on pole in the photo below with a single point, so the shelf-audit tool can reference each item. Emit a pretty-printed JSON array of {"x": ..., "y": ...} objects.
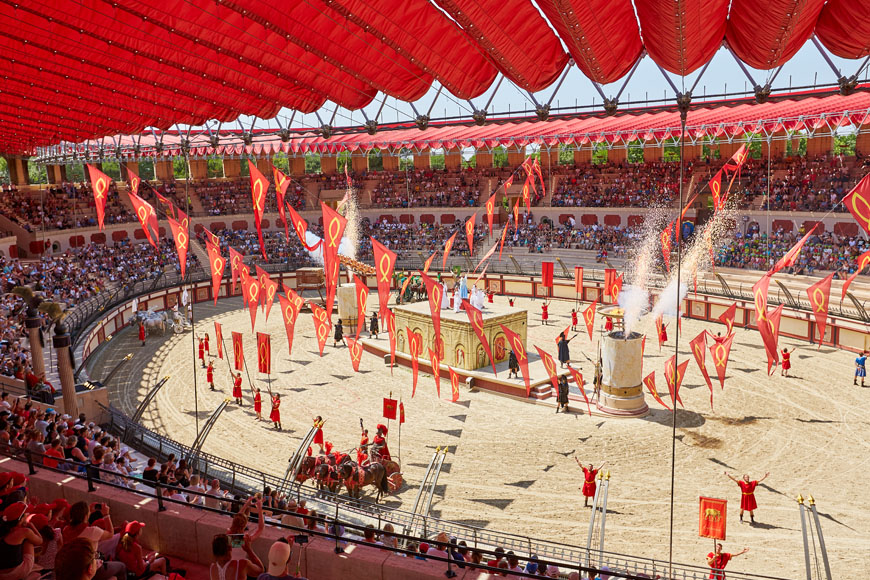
[
  {"x": 578, "y": 380},
  {"x": 218, "y": 264},
  {"x": 550, "y": 367},
  {"x": 415, "y": 347},
  {"x": 428, "y": 262},
  {"x": 435, "y": 361},
  {"x": 355, "y": 349},
  {"x": 727, "y": 318},
  {"x": 475, "y": 317},
  {"x": 100, "y": 186},
  {"x": 469, "y": 233},
  {"x": 716, "y": 189},
  {"x": 454, "y": 385},
  {"x": 856, "y": 201},
  {"x": 238, "y": 351},
  {"x": 490, "y": 210},
  {"x": 289, "y": 312},
  {"x": 609, "y": 277},
  {"x": 170, "y": 207},
  {"x": 281, "y": 183},
  {"x": 333, "y": 230},
  {"x": 362, "y": 298},
  {"x": 401, "y": 412},
  {"x": 547, "y": 274},
  {"x": 759, "y": 293},
  {"x": 236, "y": 267},
  {"x": 769, "y": 329},
  {"x": 435, "y": 292},
  {"x": 322, "y": 325},
  {"x": 269, "y": 288},
  {"x": 589, "y": 318},
  {"x": 820, "y": 295},
  {"x": 448, "y": 245},
  {"x": 537, "y": 167},
  {"x": 516, "y": 343},
  {"x": 264, "y": 353},
  {"x": 390, "y": 320},
  {"x": 675, "y": 382},
  {"x": 219, "y": 339},
  {"x": 699, "y": 349},
  {"x": 385, "y": 261},
  {"x": 650, "y": 382},
  {"x": 300, "y": 226},
  {"x": 863, "y": 262},
  {"x": 711, "y": 522},
  {"x": 179, "y": 234},
  {"x": 789, "y": 259},
  {"x": 147, "y": 218},
  {"x": 211, "y": 237},
  {"x": 666, "y": 246},
  {"x": 251, "y": 288},
  {"x": 245, "y": 279},
  {"x": 660, "y": 325},
  {"x": 720, "y": 350},
  {"x": 517, "y": 212},
  {"x": 133, "y": 180},
  {"x": 503, "y": 234},
  {"x": 615, "y": 289},
  {"x": 526, "y": 196},
  {"x": 259, "y": 187},
  {"x": 390, "y": 408},
  {"x": 578, "y": 280}
]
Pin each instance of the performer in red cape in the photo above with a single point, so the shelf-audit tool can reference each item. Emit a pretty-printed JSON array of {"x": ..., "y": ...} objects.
[
  {"x": 573, "y": 320},
  {"x": 489, "y": 296},
  {"x": 205, "y": 345},
  {"x": 608, "y": 324},
  {"x": 258, "y": 404},
  {"x": 237, "y": 387},
  {"x": 209, "y": 375},
  {"x": 318, "y": 435},
  {"x": 786, "y": 362},
  {"x": 747, "y": 488},
  {"x": 202, "y": 353},
  {"x": 589, "y": 474},
  {"x": 275, "y": 415},
  {"x": 718, "y": 560},
  {"x": 380, "y": 443},
  {"x": 545, "y": 314},
  {"x": 362, "y": 456},
  {"x": 663, "y": 335},
  {"x": 142, "y": 333}
]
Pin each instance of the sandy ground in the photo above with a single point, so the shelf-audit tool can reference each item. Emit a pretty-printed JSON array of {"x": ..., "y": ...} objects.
[{"x": 511, "y": 466}]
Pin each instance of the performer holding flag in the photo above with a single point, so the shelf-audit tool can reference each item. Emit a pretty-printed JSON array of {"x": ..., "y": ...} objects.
[
  {"x": 275, "y": 414},
  {"x": 237, "y": 387},
  {"x": 747, "y": 499},
  {"x": 258, "y": 402},
  {"x": 564, "y": 353}
]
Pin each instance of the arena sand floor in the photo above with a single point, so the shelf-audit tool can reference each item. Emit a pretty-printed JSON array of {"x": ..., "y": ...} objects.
[{"x": 511, "y": 465}]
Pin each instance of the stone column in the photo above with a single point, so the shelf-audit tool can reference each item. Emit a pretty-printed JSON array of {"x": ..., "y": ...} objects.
[
  {"x": 62, "y": 343},
  {"x": 33, "y": 324}
]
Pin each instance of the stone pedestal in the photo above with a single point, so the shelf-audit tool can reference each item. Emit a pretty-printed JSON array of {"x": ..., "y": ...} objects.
[
  {"x": 33, "y": 325},
  {"x": 622, "y": 383},
  {"x": 62, "y": 342},
  {"x": 348, "y": 310}
]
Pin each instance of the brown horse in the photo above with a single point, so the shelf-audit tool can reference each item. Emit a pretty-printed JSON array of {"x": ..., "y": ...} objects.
[
  {"x": 356, "y": 477},
  {"x": 306, "y": 469}
]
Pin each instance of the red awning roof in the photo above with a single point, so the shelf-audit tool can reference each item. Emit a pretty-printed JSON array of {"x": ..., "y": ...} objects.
[{"x": 79, "y": 70}]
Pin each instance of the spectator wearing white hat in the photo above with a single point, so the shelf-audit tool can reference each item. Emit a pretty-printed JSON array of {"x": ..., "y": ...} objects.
[{"x": 278, "y": 565}]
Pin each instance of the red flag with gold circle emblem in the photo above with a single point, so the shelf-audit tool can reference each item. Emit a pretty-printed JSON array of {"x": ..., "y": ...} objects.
[
  {"x": 415, "y": 347},
  {"x": 650, "y": 382},
  {"x": 251, "y": 288},
  {"x": 333, "y": 231},
  {"x": 454, "y": 385},
  {"x": 856, "y": 201},
  {"x": 385, "y": 261},
  {"x": 550, "y": 367},
  {"x": 699, "y": 349},
  {"x": 133, "y": 180},
  {"x": 712, "y": 514},
  {"x": 390, "y": 408},
  {"x": 490, "y": 211},
  {"x": 362, "y": 299},
  {"x": 281, "y": 183},
  {"x": 264, "y": 353},
  {"x": 820, "y": 295},
  {"x": 759, "y": 293},
  {"x": 428, "y": 261},
  {"x": 720, "y": 350},
  {"x": 268, "y": 289},
  {"x": 238, "y": 351},
  {"x": 354, "y": 347},
  {"x": 768, "y": 327},
  {"x": 578, "y": 380},
  {"x": 322, "y": 325},
  {"x": 863, "y": 262},
  {"x": 237, "y": 264},
  {"x": 100, "y": 185},
  {"x": 218, "y": 264},
  {"x": 589, "y": 318},
  {"x": 259, "y": 187},
  {"x": 289, "y": 313},
  {"x": 790, "y": 257},
  {"x": 469, "y": 233},
  {"x": 727, "y": 318},
  {"x": 475, "y": 317},
  {"x": 147, "y": 218},
  {"x": 666, "y": 246},
  {"x": 435, "y": 362},
  {"x": 515, "y": 341},
  {"x": 448, "y": 245},
  {"x": 211, "y": 237},
  {"x": 615, "y": 289},
  {"x": 390, "y": 321},
  {"x": 675, "y": 382},
  {"x": 300, "y": 226},
  {"x": 435, "y": 292},
  {"x": 179, "y": 234},
  {"x": 219, "y": 339}
]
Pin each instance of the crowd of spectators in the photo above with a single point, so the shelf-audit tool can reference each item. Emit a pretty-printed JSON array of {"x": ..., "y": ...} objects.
[
  {"x": 543, "y": 237},
  {"x": 62, "y": 207},
  {"x": 428, "y": 188},
  {"x": 228, "y": 197},
  {"x": 801, "y": 184},
  {"x": 279, "y": 249},
  {"x": 408, "y": 239},
  {"x": 623, "y": 185}
]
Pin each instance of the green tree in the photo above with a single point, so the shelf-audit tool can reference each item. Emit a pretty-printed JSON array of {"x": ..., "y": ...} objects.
[
  {"x": 800, "y": 150},
  {"x": 312, "y": 163},
  {"x": 437, "y": 161},
  {"x": 376, "y": 162},
  {"x": 36, "y": 172},
  {"x": 406, "y": 160},
  {"x": 343, "y": 159},
  {"x": 499, "y": 157},
  {"x": 635, "y": 152},
  {"x": 472, "y": 162},
  {"x": 244, "y": 171},
  {"x": 599, "y": 154},
  {"x": 214, "y": 168},
  {"x": 282, "y": 162},
  {"x": 566, "y": 155},
  {"x": 112, "y": 169},
  {"x": 75, "y": 172},
  {"x": 179, "y": 168},
  {"x": 710, "y": 149},
  {"x": 845, "y": 144},
  {"x": 671, "y": 150},
  {"x": 4, "y": 170},
  {"x": 146, "y": 170},
  {"x": 754, "y": 145}
]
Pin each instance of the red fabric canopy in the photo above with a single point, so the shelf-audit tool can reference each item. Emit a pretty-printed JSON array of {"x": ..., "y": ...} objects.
[{"x": 81, "y": 70}]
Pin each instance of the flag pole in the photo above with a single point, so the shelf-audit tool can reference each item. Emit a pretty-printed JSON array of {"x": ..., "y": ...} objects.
[{"x": 399, "y": 455}]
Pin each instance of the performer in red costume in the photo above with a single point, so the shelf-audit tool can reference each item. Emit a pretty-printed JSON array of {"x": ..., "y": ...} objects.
[
  {"x": 573, "y": 320},
  {"x": 608, "y": 324},
  {"x": 589, "y": 474},
  {"x": 747, "y": 499},
  {"x": 142, "y": 333},
  {"x": 362, "y": 456},
  {"x": 275, "y": 415},
  {"x": 663, "y": 335},
  {"x": 318, "y": 435},
  {"x": 237, "y": 387},
  {"x": 786, "y": 362},
  {"x": 209, "y": 375},
  {"x": 718, "y": 560},
  {"x": 545, "y": 314},
  {"x": 258, "y": 404},
  {"x": 380, "y": 441},
  {"x": 205, "y": 345},
  {"x": 202, "y": 353}
]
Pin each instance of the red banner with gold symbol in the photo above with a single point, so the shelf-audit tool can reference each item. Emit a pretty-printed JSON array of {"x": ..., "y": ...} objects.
[
  {"x": 289, "y": 313},
  {"x": 475, "y": 317},
  {"x": 769, "y": 329},
  {"x": 390, "y": 408},
  {"x": 238, "y": 351},
  {"x": 147, "y": 218},
  {"x": 428, "y": 262},
  {"x": 435, "y": 293},
  {"x": 218, "y": 264},
  {"x": 666, "y": 246},
  {"x": 589, "y": 318},
  {"x": 615, "y": 290},
  {"x": 759, "y": 293},
  {"x": 237, "y": 264},
  {"x": 322, "y": 325},
  {"x": 264, "y": 353},
  {"x": 415, "y": 347},
  {"x": 515, "y": 341},
  {"x": 268, "y": 289},
  {"x": 170, "y": 207},
  {"x": 100, "y": 186},
  {"x": 300, "y": 226},
  {"x": 716, "y": 190},
  {"x": 650, "y": 382},
  {"x": 354, "y": 347},
  {"x": 550, "y": 367},
  {"x": 448, "y": 245},
  {"x": 578, "y": 380},
  {"x": 820, "y": 295},
  {"x": 469, "y": 233},
  {"x": 333, "y": 230},
  {"x": 454, "y": 385},
  {"x": 720, "y": 350},
  {"x": 863, "y": 262},
  {"x": 727, "y": 318},
  {"x": 251, "y": 288},
  {"x": 609, "y": 277},
  {"x": 856, "y": 201},
  {"x": 790, "y": 257},
  {"x": 385, "y": 261},
  {"x": 219, "y": 339},
  {"x": 179, "y": 234},
  {"x": 711, "y": 519},
  {"x": 526, "y": 196},
  {"x": 281, "y": 183},
  {"x": 674, "y": 385},
  {"x": 211, "y": 237},
  {"x": 259, "y": 187},
  {"x": 699, "y": 349},
  {"x": 133, "y": 180},
  {"x": 362, "y": 299},
  {"x": 490, "y": 211},
  {"x": 390, "y": 322},
  {"x": 435, "y": 361}
]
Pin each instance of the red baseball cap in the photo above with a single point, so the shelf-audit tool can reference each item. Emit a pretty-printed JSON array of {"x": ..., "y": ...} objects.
[
  {"x": 39, "y": 521},
  {"x": 5, "y": 478},
  {"x": 133, "y": 527},
  {"x": 14, "y": 511}
]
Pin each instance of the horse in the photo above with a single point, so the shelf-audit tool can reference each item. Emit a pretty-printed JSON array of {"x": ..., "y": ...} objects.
[
  {"x": 151, "y": 320},
  {"x": 327, "y": 478},
  {"x": 356, "y": 477},
  {"x": 306, "y": 469}
]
